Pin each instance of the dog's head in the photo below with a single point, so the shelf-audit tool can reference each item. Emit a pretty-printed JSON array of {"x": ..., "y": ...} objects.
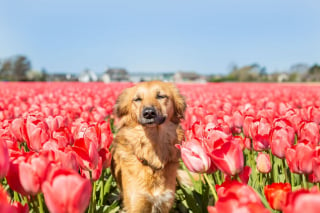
[{"x": 150, "y": 104}]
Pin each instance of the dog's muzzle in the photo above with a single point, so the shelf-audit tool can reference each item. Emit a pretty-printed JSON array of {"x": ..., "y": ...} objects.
[{"x": 151, "y": 116}]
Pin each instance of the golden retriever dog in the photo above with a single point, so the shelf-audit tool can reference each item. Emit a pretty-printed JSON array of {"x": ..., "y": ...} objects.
[{"x": 145, "y": 159}]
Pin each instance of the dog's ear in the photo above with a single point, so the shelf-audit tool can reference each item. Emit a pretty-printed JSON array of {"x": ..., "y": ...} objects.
[
  {"x": 121, "y": 108},
  {"x": 179, "y": 104}
]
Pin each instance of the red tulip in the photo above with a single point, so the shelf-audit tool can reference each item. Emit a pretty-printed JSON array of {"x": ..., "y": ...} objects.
[
  {"x": 299, "y": 158},
  {"x": 87, "y": 154},
  {"x": 4, "y": 159},
  {"x": 276, "y": 194},
  {"x": 234, "y": 206},
  {"x": 236, "y": 197},
  {"x": 229, "y": 158},
  {"x": 66, "y": 191},
  {"x": 303, "y": 201},
  {"x": 4, "y": 201},
  {"x": 263, "y": 163},
  {"x": 13, "y": 176},
  {"x": 194, "y": 156}
]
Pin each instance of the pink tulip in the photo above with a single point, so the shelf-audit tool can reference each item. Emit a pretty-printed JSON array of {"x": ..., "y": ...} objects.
[
  {"x": 263, "y": 163},
  {"x": 316, "y": 166},
  {"x": 37, "y": 132},
  {"x": 18, "y": 129},
  {"x": 33, "y": 171},
  {"x": 299, "y": 158},
  {"x": 194, "y": 156},
  {"x": 229, "y": 158},
  {"x": 55, "y": 123},
  {"x": 260, "y": 130},
  {"x": 302, "y": 201},
  {"x": 66, "y": 191},
  {"x": 63, "y": 137},
  {"x": 281, "y": 138},
  {"x": 309, "y": 131},
  {"x": 4, "y": 159}
]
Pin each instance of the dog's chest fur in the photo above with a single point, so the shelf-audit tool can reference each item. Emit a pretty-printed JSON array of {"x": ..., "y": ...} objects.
[{"x": 156, "y": 147}]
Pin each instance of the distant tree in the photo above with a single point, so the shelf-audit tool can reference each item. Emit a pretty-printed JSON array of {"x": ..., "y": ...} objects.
[
  {"x": 315, "y": 69},
  {"x": 313, "y": 73},
  {"x": 5, "y": 69},
  {"x": 299, "y": 68},
  {"x": 21, "y": 65},
  {"x": 247, "y": 73},
  {"x": 15, "y": 68}
]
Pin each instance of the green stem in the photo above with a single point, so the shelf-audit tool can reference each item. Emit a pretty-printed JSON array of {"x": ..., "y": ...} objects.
[
  {"x": 35, "y": 204},
  {"x": 16, "y": 196},
  {"x": 304, "y": 181},
  {"x": 272, "y": 166},
  {"x": 40, "y": 203},
  {"x": 285, "y": 171},
  {"x": 292, "y": 180},
  {"x": 101, "y": 191},
  {"x": 93, "y": 197},
  {"x": 213, "y": 190}
]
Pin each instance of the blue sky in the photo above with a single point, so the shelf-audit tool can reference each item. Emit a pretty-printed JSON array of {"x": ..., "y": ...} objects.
[{"x": 206, "y": 36}]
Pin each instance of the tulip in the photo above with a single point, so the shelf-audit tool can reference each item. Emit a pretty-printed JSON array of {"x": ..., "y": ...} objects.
[
  {"x": 13, "y": 176},
  {"x": 194, "y": 156},
  {"x": 263, "y": 163},
  {"x": 37, "y": 134},
  {"x": 7, "y": 207},
  {"x": 260, "y": 130},
  {"x": 18, "y": 129},
  {"x": 4, "y": 158},
  {"x": 315, "y": 176},
  {"x": 299, "y": 158},
  {"x": 66, "y": 191},
  {"x": 62, "y": 136},
  {"x": 276, "y": 194},
  {"x": 236, "y": 197},
  {"x": 229, "y": 158},
  {"x": 309, "y": 131},
  {"x": 87, "y": 154},
  {"x": 302, "y": 201},
  {"x": 280, "y": 140},
  {"x": 4, "y": 201},
  {"x": 33, "y": 171},
  {"x": 55, "y": 123}
]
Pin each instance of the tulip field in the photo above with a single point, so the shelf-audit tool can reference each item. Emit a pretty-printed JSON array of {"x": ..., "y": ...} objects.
[{"x": 249, "y": 147}]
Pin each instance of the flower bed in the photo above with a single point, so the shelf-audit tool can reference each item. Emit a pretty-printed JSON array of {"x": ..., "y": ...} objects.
[{"x": 248, "y": 147}]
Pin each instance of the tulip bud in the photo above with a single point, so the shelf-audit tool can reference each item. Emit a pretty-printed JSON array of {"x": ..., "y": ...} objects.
[{"x": 263, "y": 163}]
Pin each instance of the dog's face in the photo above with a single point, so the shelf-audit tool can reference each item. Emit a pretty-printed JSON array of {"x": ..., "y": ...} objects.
[{"x": 150, "y": 104}]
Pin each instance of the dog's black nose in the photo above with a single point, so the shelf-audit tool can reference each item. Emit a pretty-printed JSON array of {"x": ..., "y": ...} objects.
[{"x": 149, "y": 112}]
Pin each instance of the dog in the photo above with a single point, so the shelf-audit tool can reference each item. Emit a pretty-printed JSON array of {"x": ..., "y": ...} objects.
[{"x": 145, "y": 160}]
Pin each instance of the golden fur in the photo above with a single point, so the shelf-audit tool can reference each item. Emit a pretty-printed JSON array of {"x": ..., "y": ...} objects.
[{"x": 145, "y": 159}]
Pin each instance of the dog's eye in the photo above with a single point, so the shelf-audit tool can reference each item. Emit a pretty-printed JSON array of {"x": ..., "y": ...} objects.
[
  {"x": 161, "y": 96},
  {"x": 137, "y": 99}
]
